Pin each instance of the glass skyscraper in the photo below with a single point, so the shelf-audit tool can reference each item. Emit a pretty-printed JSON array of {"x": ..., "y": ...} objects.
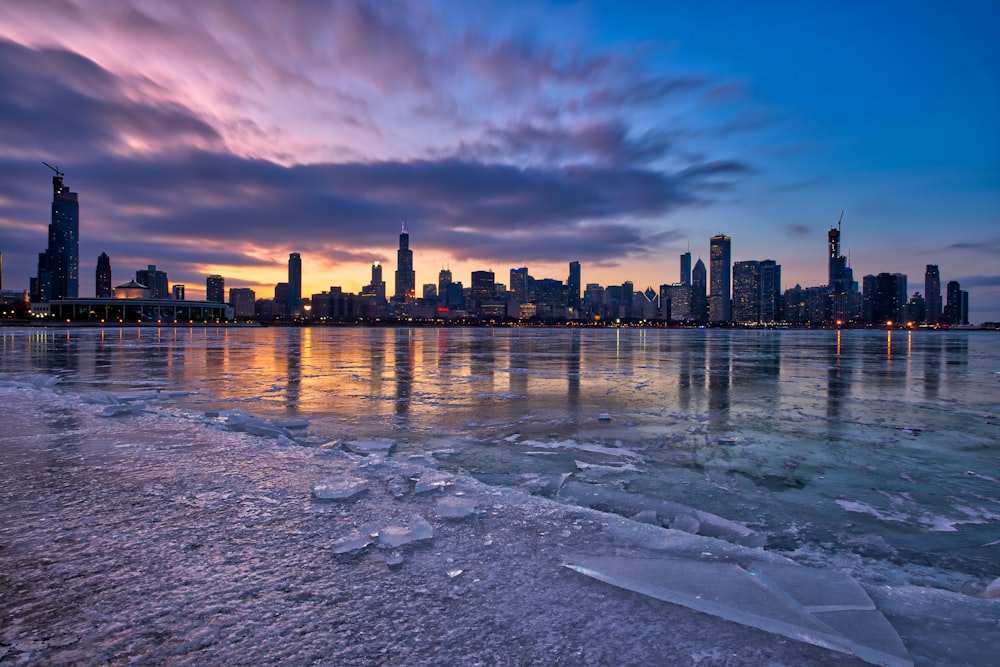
[
  {"x": 720, "y": 289},
  {"x": 59, "y": 265},
  {"x": 406, "y": 279},
  {"x": 294, "y": 285}
]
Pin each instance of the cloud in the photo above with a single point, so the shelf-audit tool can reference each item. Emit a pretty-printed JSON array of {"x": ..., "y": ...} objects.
[
  {"x": 798, "y": 230},
  {"x": 978, "y": 281}
]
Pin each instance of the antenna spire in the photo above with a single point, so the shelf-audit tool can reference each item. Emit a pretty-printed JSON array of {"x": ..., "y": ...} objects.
[{"x": 403, "y": 229}]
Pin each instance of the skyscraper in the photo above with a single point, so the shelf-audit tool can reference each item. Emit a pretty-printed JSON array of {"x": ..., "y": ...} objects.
[
  {"x": 699, "y": 284},
  {"x": 770, "y": 291},
  {"x": 406, "y": 279},
  {"x": 837, "y": 280},
  {"x": 519, "y": 284},
  {"x": 573, "y": 289},
  {"x": 215, "y": 289},
  {"x": 59, "y": 266},
  {"x": 376, "y": 287},
  {"x": 956, "y": 311},
  {"x": 103, "y": 277},
  {"x": 686, "y": 268},
  {"x": 155, "y": 281},
  {"x": 294, "y": 285},
  {"x": 444, "y": 280},
  {"x": 932, "y": 294},
  {"x": 720, "y": 294},
  {"x": 746, "y": 292}
]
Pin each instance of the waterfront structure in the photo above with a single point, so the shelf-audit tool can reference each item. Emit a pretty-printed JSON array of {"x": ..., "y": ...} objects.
[
  {"x": 406, "y": 279},
  {"x": 932, "y": 294},
  {"x": 294, "y": 285},
  {"x": 102, "y": 279},
  {"x": 155, "y": 281},
  {"x": 215, "y": 289},
  {"x": 133, "y": 289},
  {"x": 685, "y": 268},
  {"x": 720, "y": 292},
  {"x": 573, "y": 290},
  {"x": 59, "y": 266},
  {"x": 699, "y": 288}
]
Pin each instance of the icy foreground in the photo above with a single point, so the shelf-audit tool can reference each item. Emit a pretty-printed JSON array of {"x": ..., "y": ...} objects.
[{"x": 143, "y": 536}]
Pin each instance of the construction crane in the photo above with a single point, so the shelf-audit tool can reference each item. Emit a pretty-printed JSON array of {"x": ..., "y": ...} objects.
[
  {"x": 55, "y": 169},
  {"x": 840, "y": 219}
]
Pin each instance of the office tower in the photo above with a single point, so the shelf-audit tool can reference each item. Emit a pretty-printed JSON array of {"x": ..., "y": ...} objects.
[
  {"x": 720, "y": 299},
  {"x": 406, "y": 280},
  {"x": 839, "y": 275},
  {"x": 884, "y": 298},
  {"x": 932, "y": 294},
  {"x": 628, "y": 299},
  {"x": 59, "y": 266},
  {"x": 376, "y": 288},
  {"x": 680, "y": 299},
  {"x": 215, "y": 289},
  {"x": 281, "y": 299},
  {"x": 444, "y": 280},
  {"x": 483, "y": 288},
  {"x": 103, "y": 277},
  {"x": 294, "y": 285},
  {"x": 573, "y": 289},
  {"x": 595, "y": 300},
  {"x": 430, "y": 292},
  {"x": 746, "y": 292},
  {"x": 686, "y": 268},
  {"x": 178, "y": 293},
  {"x": 916, "y": 309},
  {"x": 519, "y": 284},
  {"x": 155, "y": 281},
  {"x": 770, "y": 291},
  {"x": 955, "y": 311},
  {"x": 699, "y": 285},
  {"x": 243, "y": 301}
]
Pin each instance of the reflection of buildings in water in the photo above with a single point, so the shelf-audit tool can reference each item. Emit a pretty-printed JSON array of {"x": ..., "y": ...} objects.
[
  {"x": 719, "y": 378},
  {"x": 573, "y": 372},
  {"x": 838, "y": 383},
  {"x": 933, "y": 350},
  {"x": 481, "y": 355},
  {"x": 293, "y": 367},
  {"x": 377, "y": 345},
  {"x": 404, "y": 367},
  {"x": 956, "y": 355},
  {"x": 519, "y": 351}
]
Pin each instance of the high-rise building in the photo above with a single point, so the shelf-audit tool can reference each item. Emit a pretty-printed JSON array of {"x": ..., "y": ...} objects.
[
  {"x": 699, "y": 285},
  {"x": 294, "y": 285},
  {"x": 215, "y": 289},
  {"x": 573, "y": 290},
  {"x": 406, "y": 279},
  {"x": 884, "y": 298},
  {"x": 956, "y": 310},
  {"x": 746, "y": 292},
  {"x": 685, "y": 268},
  {"x": 720, "y": 293},
  {"x": 483, "y": 288},
  {"x": 59, "y": 266},
  {"x": 770, "y": 291},
  {"x": 178, "y": 292},
  {"x": 376, "y": 288},
  {"x": 444, "y": 280},
  {"x": 155, "y": 281},
  {"x": 103, "y": 277},
  {"x": 281, "y": 299},
  {"x": 838, "y": 280},
  {"x": 932, "y": 294},
  {"x": 519, "y": 280},
  {"x": 243, "y": 301}
]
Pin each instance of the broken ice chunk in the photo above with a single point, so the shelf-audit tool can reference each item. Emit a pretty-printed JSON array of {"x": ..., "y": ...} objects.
[
  {"x": 604, "y": 417},
  {"x": 432, "y": 480},
  {"x": 993, "y": 590},
  {"x": 646, "y": 516},
  {"x": 728, "y": 439},
  {"x": 253, "y": 426},
  {"x": 292, "y": 423},
  {"x": 397, "y": 535},
  {"x": 339, "y": 489},
  {"x": 686, "y": 523},
  {"x": 456, "y": 508},
  {"x": 353, "y": 542},
  {"x": 367, "y": 447},
  {"x": 394, "y": 560}
]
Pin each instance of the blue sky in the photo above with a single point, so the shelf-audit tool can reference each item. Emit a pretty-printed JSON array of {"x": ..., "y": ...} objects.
[{"x": 218, "y": 137}]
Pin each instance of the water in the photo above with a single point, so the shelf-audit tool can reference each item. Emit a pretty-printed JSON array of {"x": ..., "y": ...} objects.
[{"x": 873, "y": 453}]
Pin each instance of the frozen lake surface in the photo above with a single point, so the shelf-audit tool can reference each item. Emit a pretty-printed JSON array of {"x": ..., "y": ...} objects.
[{"x": 499, "y": 496}]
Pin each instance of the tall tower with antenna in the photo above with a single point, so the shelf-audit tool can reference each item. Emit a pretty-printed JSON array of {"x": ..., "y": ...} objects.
[
  {"x": 406, "y": 279},
  {"x": 59, "y": 266}
]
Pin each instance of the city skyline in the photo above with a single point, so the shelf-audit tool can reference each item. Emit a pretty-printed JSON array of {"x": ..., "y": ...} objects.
[{"x": 616, "y": 140}]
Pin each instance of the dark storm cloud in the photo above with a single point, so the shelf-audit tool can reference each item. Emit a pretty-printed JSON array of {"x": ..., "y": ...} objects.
[{"x": 57, "y": 103}]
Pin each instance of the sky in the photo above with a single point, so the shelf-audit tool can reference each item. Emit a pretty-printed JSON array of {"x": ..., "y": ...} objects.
[{"x": 218, "y": 137}]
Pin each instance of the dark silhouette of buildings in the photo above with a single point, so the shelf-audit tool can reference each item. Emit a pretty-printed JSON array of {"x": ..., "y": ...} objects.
[
  {"x": 103, "y": 277},
  {"x": 294, "y": 285},
  {"x": 884, "y": 298},
  {"x": 215, "y": 289},
  {"x": 155, "y": 281},
  {"x": 59, "y": 266},
  {"x": 685, "y": 278},
  {"x": 720, "y": 295},
  {"x": 932, "y": 294},
  {"x": 956, "y": 310},
  {"x": 573, "y": 290},
  {"x": 699, "y": 298},
  {"x": 406, "y": 279}
]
